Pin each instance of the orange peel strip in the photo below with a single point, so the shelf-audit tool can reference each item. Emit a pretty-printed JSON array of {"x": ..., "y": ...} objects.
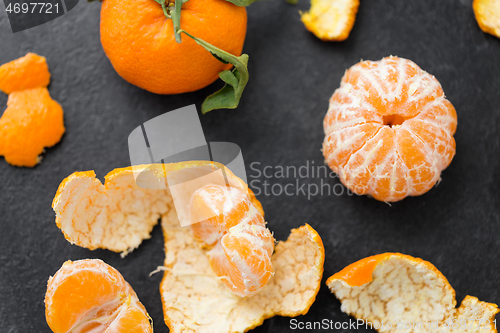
[
  {"x": 30, "y": 71},
  {"x": 487, "y": 14},
  {"x": 331, "y": 20},
  {"x": 90, "y": 295},
  {"x": 410, "y": 292},
  {"x": 196, "y": 300}
]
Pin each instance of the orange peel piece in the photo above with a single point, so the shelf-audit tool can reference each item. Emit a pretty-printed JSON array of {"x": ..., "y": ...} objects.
[
  {"x": 331, "y": 20},
  {"x": 396, "y": 292},
  {"x": 90, "y": 295},
  {"x": 30, "y": 71},
  {"x": 195, "y": 299},
  {"x": 31, "y": 122},
  {"x": 119, "y": 215},
  {"x": 487, "y": 14}
]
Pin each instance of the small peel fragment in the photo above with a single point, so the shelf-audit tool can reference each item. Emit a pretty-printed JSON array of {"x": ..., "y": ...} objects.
[
  {"x": 31, "y": 122},
  {"x": 399, "y": 289},
  {"x": 195, "y": 300},
  {"x": 331, "y": 20},
  {"x": 487, "y": 14},
  {"x": 30, "y": 71}
]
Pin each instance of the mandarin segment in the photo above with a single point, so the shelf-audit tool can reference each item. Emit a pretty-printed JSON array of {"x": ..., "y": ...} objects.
[
  {"x": 91, "y": 296},
  {"x": 331, "y": 20},
  {"x": 31, "y": 122},
  {"x": 487, "y": 14},
  {"x": 395, "y": 288},
  {"x": 196, "y": 300},
  {"x": 30, "y": 71},
  {"x": 225, "y": 218},
  {"x": 389, "y": 130},
  {"x": 339, "y": 145}
]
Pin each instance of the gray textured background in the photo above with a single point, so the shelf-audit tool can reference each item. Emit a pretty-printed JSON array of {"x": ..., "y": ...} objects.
[{"x": 279, "y": 122}]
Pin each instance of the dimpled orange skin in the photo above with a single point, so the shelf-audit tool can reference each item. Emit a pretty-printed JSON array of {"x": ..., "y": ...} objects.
[
  {"x": 140, "y": 43},
  {"x": 28, "y": 72},
  {"x": 32, "y": 121},
  {"x": 389, "y": 130},
  {"x": 242, "y": 246},
  {"x": 89, "y": 295}
]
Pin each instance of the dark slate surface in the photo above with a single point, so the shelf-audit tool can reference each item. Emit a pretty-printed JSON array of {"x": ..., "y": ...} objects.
[{"x": 279, "y": 122}]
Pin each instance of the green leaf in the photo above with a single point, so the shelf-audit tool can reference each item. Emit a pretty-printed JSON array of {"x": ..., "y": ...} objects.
[
  {"x": 236, "y": 80},
  {"x": 242, "y": 3},
  {"x": 229, "y": 78}
]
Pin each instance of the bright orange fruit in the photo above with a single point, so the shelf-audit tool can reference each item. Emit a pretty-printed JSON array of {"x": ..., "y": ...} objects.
[
  {"x": 393, "y": 292},
  {"x": 31, "y": 122},
  {"x": 139, "y": 41},
  {"x": 28, "y": 72},
  {"x": 389, "y": 129},
  {"x": 91, "y": 296},
  {"x": 242, "y": 245}
]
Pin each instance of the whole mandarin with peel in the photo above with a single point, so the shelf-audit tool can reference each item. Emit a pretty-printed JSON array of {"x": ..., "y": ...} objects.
[
  {"x": 139, "y": 41},
  {"x": 389, "y": 130},
  {"x": 91, "y": 296}
]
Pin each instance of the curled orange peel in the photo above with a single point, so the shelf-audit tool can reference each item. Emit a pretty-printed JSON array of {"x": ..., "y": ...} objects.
[
  {"x": 331, "y": 20},
  {"x": 117, "y": 215},
  {"x": 32, "y": 120},
  {"x": 120, "y": 214},
  {"x": 487, "y": 14},
  {"x": 91, "y": 296},
  {"x": 392, "y": 289},
  {"x": 195, "y": 299}
]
